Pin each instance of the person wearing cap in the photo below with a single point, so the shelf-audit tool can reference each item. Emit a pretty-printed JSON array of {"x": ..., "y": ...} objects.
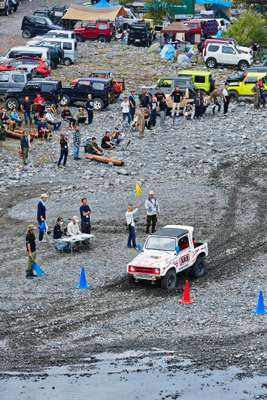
[
  {"x": 152, "y": 212},
  {"x": 41, "y": 215},
  {"x": 31, "y": 250},
  {"x": 131, "y": 211},
  {"x": 89, "y": 106},
  {"x": 73, "y": 227}
]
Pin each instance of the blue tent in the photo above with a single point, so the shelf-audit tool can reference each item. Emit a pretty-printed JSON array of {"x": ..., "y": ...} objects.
[
  {"x": 218, "y": 3},
  {"x": 102, "y": 4}
]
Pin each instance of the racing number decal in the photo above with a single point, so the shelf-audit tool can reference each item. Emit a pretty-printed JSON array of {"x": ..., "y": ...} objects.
[{"x": 184, "y": 259}]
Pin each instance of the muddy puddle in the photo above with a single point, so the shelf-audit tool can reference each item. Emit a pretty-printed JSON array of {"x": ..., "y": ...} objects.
[{"x": 155, "y": 375}]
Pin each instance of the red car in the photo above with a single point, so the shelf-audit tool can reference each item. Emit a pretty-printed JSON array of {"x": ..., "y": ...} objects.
[
  {"x": 103, "y": 31},
  {"x": 35, "y": 66}
]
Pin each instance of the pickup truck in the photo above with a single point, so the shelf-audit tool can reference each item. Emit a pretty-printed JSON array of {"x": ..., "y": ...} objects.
[
  {"x": 166, "y": 253},
  {"x": 13, "y": 80},
  {"x": 101, "y": 90}
]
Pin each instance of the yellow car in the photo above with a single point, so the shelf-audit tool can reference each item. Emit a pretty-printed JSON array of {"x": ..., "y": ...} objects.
[
  {"x": 202, "y": 79},
  {"x": 245, "y": 86}
]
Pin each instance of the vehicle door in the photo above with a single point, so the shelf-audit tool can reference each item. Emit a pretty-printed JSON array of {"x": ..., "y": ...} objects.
[
  {"x": 31, "y": 89},
  {"x": 214, "y": 51},
  {"x": 247, "y": 85},
  {"x": 4, "y": 83},
  {"x": 166, "y": 86},
  {"x": 229, "y": 55},
  {"x": 40, "y": 25},
  {"x": 81, "y": 90},
  {"x": 104, "y": 30},
  {"x": 17, "y": 80},
  {"x": 185, "y": 252},
  {"x": 91, "y": 31}
]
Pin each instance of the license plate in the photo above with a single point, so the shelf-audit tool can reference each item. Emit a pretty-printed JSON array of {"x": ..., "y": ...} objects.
[
  {"x": 138, "y": 40},
  {"x": 145, "y": 276}
]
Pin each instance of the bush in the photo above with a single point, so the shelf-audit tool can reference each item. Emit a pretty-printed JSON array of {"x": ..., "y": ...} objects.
[{"x": 248, "y": 29}]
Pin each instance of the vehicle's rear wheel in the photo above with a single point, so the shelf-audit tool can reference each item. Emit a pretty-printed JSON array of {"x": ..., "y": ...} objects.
[
  {"x": 26, "y": 34},
  {"x": 65, "y": 100},
  {"x": 102, "y": 39},
  {"x": 199, "y": 268},
  {"x": 131, "y": 280},
  {"x": 67, "y": 61},
  {"x": 169, "y": 280},
  {"x": 211, "y": 62},
  {"x": 243, "y": 65},
  {"x": 98, "y": 104},
  {"x": 12, "y": 103}
]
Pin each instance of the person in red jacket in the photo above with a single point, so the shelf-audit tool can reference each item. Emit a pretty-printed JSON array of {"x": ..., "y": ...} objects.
[{"x": 39, "y": 104}]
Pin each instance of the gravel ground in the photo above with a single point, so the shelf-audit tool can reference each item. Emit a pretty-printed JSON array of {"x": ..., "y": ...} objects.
[{"x": 209, "y": 173}]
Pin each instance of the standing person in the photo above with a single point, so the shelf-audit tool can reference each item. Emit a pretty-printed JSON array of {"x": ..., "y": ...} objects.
[
  {"x": 131, "y": 225},
  {"x": 64, "y": 150},
  {"x": 162, "y": 110},
  {"x": 76, "y": 142},
  {"x": 89, "y": 106},
  {"x": 261, "y": 86},
  {"x": 152, "y": 212},
  {"x": 144, "y": 99},
  {"x": 132, "y": 103},
  {"x": 226, "y": 100},
  {"x": 25, "y": 147},
  {"x": 26, "y": 108},
  {"x": 41, "y": 215},
  {"x": 153, "y": 111},
  {"x": 140, "y": 121},
  {"x": 176, "y": 98},
  {"x": 39, "y": 104},
  {"x": 257, "y": 96},
  {"x": 85, "y": 212},
  {"x": 31, "y": 250},
  {"x": 125, "y": 106}
]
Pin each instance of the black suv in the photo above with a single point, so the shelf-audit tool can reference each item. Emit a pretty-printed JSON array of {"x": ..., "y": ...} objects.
[
  {"x": 54, "y": 13},
  {"x": 51, "y": 91},
  {"x": 101, "y": 90},
  {"x": 140, "y": 34},
  {"x": 35, "y": 25}
]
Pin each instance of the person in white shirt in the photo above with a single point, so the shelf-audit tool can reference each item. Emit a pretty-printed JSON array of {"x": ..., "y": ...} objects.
[
  {"x": 152, "y": 212},
  {"x": 125, "y": 106},
  {"x": 131, "y": 225},
  {"x": 51, "y": 119},
  {"x": 226, "y": 100},
  {"x": 73, "y": 227}
]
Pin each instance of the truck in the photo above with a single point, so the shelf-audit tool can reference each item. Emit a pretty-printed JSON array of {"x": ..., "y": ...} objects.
[{"x": 166, "y": 253}]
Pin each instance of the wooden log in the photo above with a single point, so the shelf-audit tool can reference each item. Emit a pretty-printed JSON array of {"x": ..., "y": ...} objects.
[
  {"x": 17, "y": 134},
  {"x": 105, "y": 160}
]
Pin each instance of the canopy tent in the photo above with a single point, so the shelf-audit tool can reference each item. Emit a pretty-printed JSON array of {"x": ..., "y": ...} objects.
[
  {"x": 218, "y": 3},
  {"x": 81, "y": 13},
  {"x": 176, "y": 27},
  {"x": 102, "y": 4}
]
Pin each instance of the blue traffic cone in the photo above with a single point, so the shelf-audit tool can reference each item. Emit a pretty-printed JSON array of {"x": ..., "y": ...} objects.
[
  {"x": 83, "y": 281},
  {"x": 260, "y": 309},
  {"x": 38, "y": 270}
]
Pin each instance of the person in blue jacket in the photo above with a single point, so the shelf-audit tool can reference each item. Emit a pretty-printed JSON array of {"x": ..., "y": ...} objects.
[{"x": 41, "y": 215}]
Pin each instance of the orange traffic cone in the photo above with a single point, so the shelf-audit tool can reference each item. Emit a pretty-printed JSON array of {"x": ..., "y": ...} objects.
[{"x": 186, "y": 295}]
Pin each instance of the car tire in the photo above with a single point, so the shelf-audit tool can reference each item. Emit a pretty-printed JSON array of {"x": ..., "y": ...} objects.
[
  {"x": 233, "y": 95},
  {"x": 101, "y": 39},
  {"x": 12, "y": 102},
  {"x": 65, "y": 100},
  {"x": 211, "y": 62},
  {"x": 243, "y": 65},
  {"x": 26, "y": 34},
  {"x": 168, "y": 282},
  {"x": 199, "y": 268},
  {"x": 67, "y": 61},
  {"x": 131, "y": 280},
  {"x": 6, "y": 12},
  {"x": 98, "y": 104}
]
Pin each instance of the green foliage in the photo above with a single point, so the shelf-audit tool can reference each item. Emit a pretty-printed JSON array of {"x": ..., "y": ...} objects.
[
  {"x": 158, "y": 9},
  {"x": 249, "y": 28}
]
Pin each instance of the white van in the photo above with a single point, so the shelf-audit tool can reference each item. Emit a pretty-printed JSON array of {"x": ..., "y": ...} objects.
[
  {"x": 60, "y": 34},
  {"x": 69, "y": 46},
  {"x": 31, "y": 52}
]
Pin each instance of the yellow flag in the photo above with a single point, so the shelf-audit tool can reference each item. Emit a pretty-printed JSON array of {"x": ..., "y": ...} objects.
[{"x": 138, "y": 190}]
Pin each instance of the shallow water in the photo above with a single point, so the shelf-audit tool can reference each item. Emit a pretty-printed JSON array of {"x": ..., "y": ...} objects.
[{"x": 153, "y": 375}]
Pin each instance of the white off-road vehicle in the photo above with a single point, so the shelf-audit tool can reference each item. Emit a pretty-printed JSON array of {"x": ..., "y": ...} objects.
[{"x": 170, "y": 250}]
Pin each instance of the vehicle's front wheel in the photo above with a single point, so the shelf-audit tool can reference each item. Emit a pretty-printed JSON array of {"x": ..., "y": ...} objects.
[
  {"x": 243, "y": 65},
  {"x": 98, "y": 104},
  {"x": 65, "y": 100},
  {"x": 169, "y": 280},
  {"x": 67, "y": 61},
  {"x": 102, "y": 39},
  {"x": 233, "y": 94},
  {"x": 211, "y": 62},
  {"x": 26, "y": 34},
  {"x": 199, "y": 268},
  {"x": 12, "y": 103}
]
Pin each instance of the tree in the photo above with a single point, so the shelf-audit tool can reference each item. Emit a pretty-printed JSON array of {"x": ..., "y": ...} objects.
[
  {"x": 159, "y": 9},
  {"x": 248, "y": 29}
]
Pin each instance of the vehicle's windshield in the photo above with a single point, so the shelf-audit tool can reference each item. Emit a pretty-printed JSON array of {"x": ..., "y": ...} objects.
[{"x": 160, "y": 243}]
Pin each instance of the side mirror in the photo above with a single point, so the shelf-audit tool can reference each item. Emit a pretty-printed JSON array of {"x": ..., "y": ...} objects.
[{"x": 177, "y": 249}]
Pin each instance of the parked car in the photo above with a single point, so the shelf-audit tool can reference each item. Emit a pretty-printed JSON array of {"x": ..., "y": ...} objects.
[
  {"x": 63, "y": 34},
  {"x": 13, "y": 79},
  {"x": 226, "y": 54},
  {"x": 258, "y": 68},
  {"x": 140, "y": 34},
  {"x": 166, "y": 253},
  {"x": 100, "y": 89},
  {"x": 167, "y": 85},
  {"x": 124, "y": 22},
  {"x": 118, "y": 85},
  {"x": 246, "y": 85},
  {"x": 53, "y": 13},
  {"x": 69, "y": 52},
  {"x": 56, "y": 54},
  {"x": 35, "y": 66},
  {"x": 34, "y": 25},
  {"x": 103, "y": 31},
  {"x": 202, "y": 80},
  {"x": 200, "y": 28},
  {"x": 8, "y": 6},
  {"x": 51, "y": 90},
  {"x": 42, "y": 53},
  {"x": 227, "y": 41}
]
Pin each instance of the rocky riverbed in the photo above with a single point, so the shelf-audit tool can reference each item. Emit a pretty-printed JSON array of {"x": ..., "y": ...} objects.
[{"x": 209, "y": 173}]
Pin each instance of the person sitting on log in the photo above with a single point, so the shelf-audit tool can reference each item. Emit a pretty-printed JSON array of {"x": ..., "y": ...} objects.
[
  {"x": 4, "y": 117},
  {"x": 81, "y": 116},
  {"x": 106, "y": 142},
  {"x": 39, "y": 104},
  {"x": 43, "y": 130},
  {"x": 14, "y": 116},
  {"x": 66, "y": 115},
  {"x": 92, "y": 147},
  {"x": 117, "y": 136}
]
